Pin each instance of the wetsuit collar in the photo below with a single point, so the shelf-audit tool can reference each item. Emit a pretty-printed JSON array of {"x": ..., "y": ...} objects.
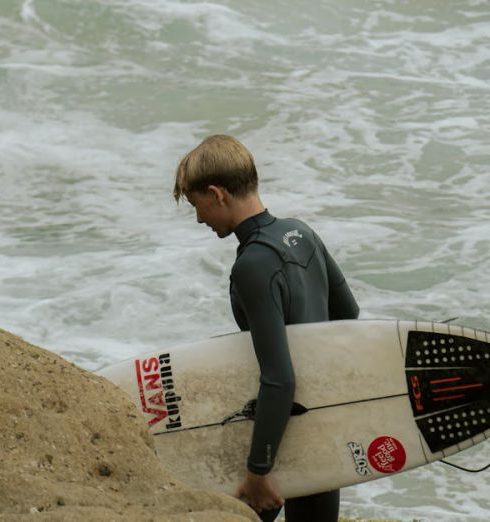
[{"x": 247, "y": 227}]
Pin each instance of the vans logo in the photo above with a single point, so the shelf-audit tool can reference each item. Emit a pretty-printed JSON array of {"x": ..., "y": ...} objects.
[
  {"x": 289, "y": 238},
  {"x": 157, "y": 392}
]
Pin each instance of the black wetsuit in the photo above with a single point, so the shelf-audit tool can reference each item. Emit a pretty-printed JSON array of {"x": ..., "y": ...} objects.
[{"x": 283, "y": 275}]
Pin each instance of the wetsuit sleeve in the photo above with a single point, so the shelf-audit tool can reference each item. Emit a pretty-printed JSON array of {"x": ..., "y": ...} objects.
[
  {"x": 259, "y": 286},
  {"x": 341, "y": 302}
]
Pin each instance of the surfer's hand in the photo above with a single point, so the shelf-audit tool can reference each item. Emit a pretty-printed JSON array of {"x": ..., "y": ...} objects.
[{"x": 259, "y": 492}]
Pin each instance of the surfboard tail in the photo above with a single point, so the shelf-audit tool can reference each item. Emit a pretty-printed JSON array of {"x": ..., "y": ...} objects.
[{"x": 448, "y": 378}]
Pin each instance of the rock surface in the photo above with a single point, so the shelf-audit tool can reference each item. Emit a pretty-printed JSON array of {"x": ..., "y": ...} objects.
[{"x": 73, "y": 447}]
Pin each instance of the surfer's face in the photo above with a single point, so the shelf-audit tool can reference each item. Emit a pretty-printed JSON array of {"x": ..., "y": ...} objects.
[{"x": 211, "y": 210}]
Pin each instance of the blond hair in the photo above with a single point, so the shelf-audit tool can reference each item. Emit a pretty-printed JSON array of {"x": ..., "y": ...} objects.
[{"x": 219, "y": 160}]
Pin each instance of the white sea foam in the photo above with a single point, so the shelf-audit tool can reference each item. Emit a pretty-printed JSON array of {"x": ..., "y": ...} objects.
[
  {"x": 370, "y": 122},
  {"x": 29, "y": 15}
]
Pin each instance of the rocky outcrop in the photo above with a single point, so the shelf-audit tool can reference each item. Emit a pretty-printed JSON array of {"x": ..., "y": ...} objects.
[{"x": 73, "y": 447}]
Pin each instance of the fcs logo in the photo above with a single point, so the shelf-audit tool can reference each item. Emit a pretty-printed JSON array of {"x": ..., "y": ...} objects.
[
  {"x": 416, "y": 393},
  {"x": 289, "y": 238}
]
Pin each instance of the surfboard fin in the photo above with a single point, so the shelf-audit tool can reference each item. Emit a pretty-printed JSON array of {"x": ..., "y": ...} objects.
[
  {"x": 298, "y": 409},
  {"x": 247, "y": 412}
]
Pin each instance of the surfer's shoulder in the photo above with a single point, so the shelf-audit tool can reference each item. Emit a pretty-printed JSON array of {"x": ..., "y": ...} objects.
[{"x": 255, "y": 258}]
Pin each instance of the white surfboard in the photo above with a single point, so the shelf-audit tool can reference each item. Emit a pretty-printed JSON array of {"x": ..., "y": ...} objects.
[{"x": 372, "y": 398}]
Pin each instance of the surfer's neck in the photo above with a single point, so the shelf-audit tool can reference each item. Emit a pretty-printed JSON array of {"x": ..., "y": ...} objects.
[{"x": 242, "y": 208}]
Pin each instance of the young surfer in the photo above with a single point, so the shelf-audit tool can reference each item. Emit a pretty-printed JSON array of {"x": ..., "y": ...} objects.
[{"x": 282, "y": 275}]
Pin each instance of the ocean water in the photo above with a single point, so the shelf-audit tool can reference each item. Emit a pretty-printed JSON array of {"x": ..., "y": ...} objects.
[{"x": 368, "y": 119}]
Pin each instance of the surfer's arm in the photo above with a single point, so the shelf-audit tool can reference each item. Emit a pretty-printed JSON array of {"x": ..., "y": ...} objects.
[{"x": 258, "y": 284}]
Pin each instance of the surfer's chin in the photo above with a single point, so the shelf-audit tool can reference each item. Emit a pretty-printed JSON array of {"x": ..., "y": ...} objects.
[{"x": 223, "y": 233}]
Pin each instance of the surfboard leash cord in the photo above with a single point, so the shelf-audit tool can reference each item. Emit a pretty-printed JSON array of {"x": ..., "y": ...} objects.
[{"x": 465, "y": 469}]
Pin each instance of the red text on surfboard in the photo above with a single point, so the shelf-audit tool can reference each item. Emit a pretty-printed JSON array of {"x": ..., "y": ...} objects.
[
  {"x": 157, "y": 391},
  {"x": 416, "y": 392},
  {"x": 386, "y": 454}
]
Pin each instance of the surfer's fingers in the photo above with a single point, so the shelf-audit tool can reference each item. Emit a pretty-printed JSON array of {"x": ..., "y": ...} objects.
[
  {"x": 275, "y": 497},
  {"x": 276, "y": 503},
  {"x": 255, "y": 505},
  {"x": 272, "y": 502},
  {"x": 239, "y": 493}
]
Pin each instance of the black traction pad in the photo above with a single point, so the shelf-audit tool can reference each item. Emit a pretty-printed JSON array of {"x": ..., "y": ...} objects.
[
  {"x": 448, "y": 378},
  {"x": 441, "y": 350},
  {"x": 445, "y": 429}
]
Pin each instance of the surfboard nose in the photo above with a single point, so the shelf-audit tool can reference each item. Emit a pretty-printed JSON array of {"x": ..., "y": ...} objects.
[{"x": 448, "y": 379}]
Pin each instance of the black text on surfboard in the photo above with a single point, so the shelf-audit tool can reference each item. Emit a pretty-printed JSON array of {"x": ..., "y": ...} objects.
[
  {"x": 360, "y": 458},
  {"x": 157, "y": 391}
]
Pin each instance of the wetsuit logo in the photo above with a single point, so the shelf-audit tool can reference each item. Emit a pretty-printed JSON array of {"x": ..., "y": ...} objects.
[
  {"x": 289, "y": 238},
  {"x": 156, "y": 390}
]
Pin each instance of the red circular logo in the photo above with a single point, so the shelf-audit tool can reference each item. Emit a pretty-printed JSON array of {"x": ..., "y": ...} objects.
[{"x": 386, "y": 454}]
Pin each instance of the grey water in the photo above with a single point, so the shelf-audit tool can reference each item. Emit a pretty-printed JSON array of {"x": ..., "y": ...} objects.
[{"x": 368, "y": 119}]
